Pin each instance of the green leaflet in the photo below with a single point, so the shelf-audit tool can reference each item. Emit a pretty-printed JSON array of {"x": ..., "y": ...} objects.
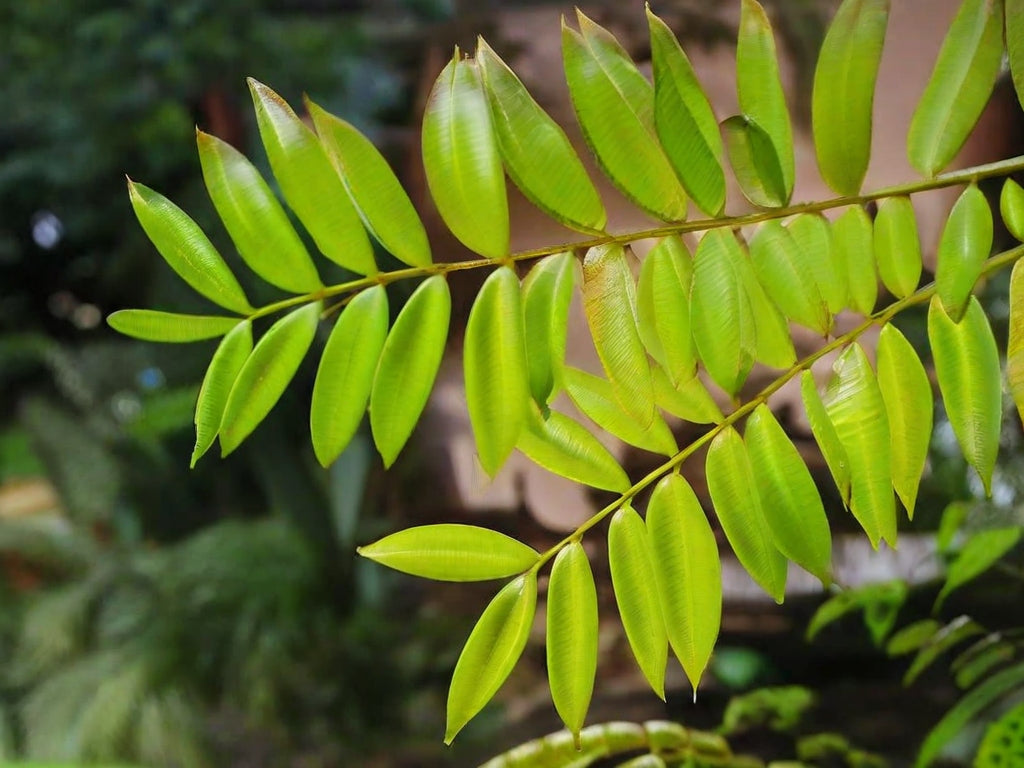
[
  {"x": 572, "y": 636},
  {"x": 1014, "y": 36},
  {"x": 853, "y": 241},
  {"x": 461, "y": 159},
  {"x": 689, "y": 401},
  {"x": 980, "y": 658},
  {"x": 954, "y": 633},
  {"x": 907, "y": 393},
  {"x": 220, "y": 377},
  {"x": 774, "y": 343},
  {"x": 491, "y": 651},
  {"x": 1011, "y": 207},
  {"x": 687, "y": 573},
  {"x": 609, "y": 302},
  {"x": 266, "y": 374},
  {"x": 345, "y": 375},
  {"x": 897, "y": 248},
  {"x": 737, "y": 501},
  {"x": 373, "y": 188},
  {"x": 967, "y": 366},
  {"x": 186, "y": 249},
  {"x": 825, "y": 435},
  {"x": 630, "y": 561},
  {"x": 880, "y": 602},
  {"x": 856, "y": 410},
  {"x": 547, "y": 294},
  {"x": 755, "y": 162},
  {"x": 614, "y": 104},
  {"x": 496, "y": 373},
  {"x": 780, "y": 264},
  {"x": 663, "y": 308},
  {"x": 965, "y": 244},
  {"x": 452, "y": 552},
  {"x": 789, "y": 499},
  {"x": 1015, "y": 342},
  {"x": 537, "y": 153},
  {"x": 911, "y": 637},
  {"x": 595, "y": 398},
  {"x": 566, "y": 448},
  {"x": 844, "y": 92},
  {"x": 813, "y": 236},
  {"x": 959, "y": 88},
  {"x": 684, "y": 120},
  {"x": 310, "y": 184},
  {"x": 760, "y": 89},
  {"x": 254, "y": 218},
  {"x": 150, "y": 325},
  {"x": 408, "y": 366},
  {"x": 983, "y": 550}
]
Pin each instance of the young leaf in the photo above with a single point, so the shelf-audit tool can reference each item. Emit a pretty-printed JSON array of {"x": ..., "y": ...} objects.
[
  {"x": 789, "y": 499},
  {"x": 813, "y": 236},
  {"x": 689, "y": 401},
  {"x": 954, "y": 633},
  {"x": 609, "y": 301},
  {"x": 220, "y": 377},
  {"x": 547, "y": 294},
  {"x": 460, "y": 156},
  {"x": 959, "y": 88},
  {"x": 965, "y": 244},
  {"x": 373, "y": 188},
  {"x": 630, "y": 560},
  {"x": 882, "y": 599},
  {"x": 663, "y": 308},
  {"x": 911, "y": 637},
  {"x": 908, "y": 404},
  {"x": 408, "y": 366},
  {"x": 734, "y": 493},
  {"x": 491, "y": 651},
  {"x": 755, "y": 162},
  {"x": 687, "y": 573},
  {"x": 572, "y": 636},
  {"x": 1015, "y": 342},
  {"x": 186, "y": 249},
  {"x": 684, "y": 120},
  {"x": 760, "y": 88},
  {"x": 537, "y": 153},
  {"x": 853, "y": 240},
  {"x": 780, "y": 264},
  {"x": 1014, "y": 33},
  {"x": 310, "y": 184},
  {"x": 266, "y": 374},
  {"x": 566, "y": 448},
  {"x": 1011, "y": 207},
  {"x": 345, "y": 375},
  {"x": 150, "y": 325},
  {"x": 967, "y": 366},
  {"x": 452, "y": 552},
  {"x": 825, "y": 434},
  {"x": 844, "y": 92},
  {"x": 254, "y": 218},
  {"x": 897, "y": 247},
  {"x": 983, "y": 550},
  {"x": 497, "y": 377},
  {"x": 614, "y": 104}
]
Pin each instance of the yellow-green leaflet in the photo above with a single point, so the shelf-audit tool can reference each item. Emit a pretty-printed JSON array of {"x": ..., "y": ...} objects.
[
  {"x": 547, "y": 294},
  {"x": 774, "y": 343},
  {"x": 981, "y": 552},
  {"x": 345, "y": 375},
  {"x": 857, "y": 411},
  {"x": 909, "y": 405},
  {"x": 537, "y": 153},
  {"x": 494, "y": 361},
  {"x": 690, "y": 401},
  {"x": 151, "y": 325},
  {"x": 609, "y": 302},
  {"x": 737, "y": 501},
  {"x": 663, "y": 308},
  {"x": 789, "y": 499},
  {"x": 897, "y": 248},
  {"x": 853, "y": 241},
  {"x": 755, "y": 162},
  {"x": 452, "y": 552},
  {"x": 373, "y": 188},
  {"x": 825, "y": 435},
  {"x": 780, "y": 264},
  {"x": 911, "y": 637},
  {"x": 965, "y": 244},
  {"x": 813, "y": 235},
  {"x": 408, "y": 366},
  {"x": 460, "y": 156},
  {"x": 1011, "y": 207},
  {"x": 310, "y": 184},
  {"x": 220, "y": 376},
  {"x": 266, "y": 373},
  {"x": 257, "y": 223},
  {"x": 572, "y": 636},
  {"x": 492, "y": 650},
  {"x": 596, "y": 400},
  {"x": 186, "y": 249},
  {"x": 844, "y": 92},
  {"x": 1015, "y": 342},
  {"x": 959, "y": 88},
  {"x": 614, "y": 104},
  {"x": 685, "y": 122},
  {"x": 1014, "y": 35},
  {"x": 760, "y": 89},
  {"x": 967, "y": 366},
  {"x": 630, "y": 562},
  {"x": 687, "y": 572}
]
